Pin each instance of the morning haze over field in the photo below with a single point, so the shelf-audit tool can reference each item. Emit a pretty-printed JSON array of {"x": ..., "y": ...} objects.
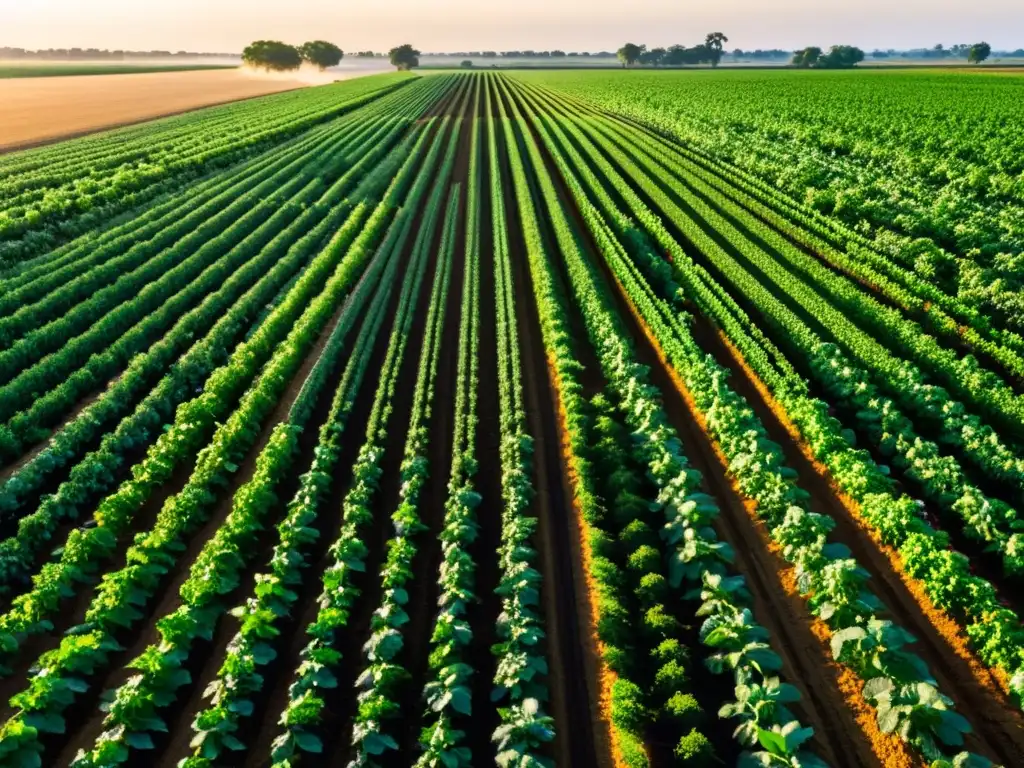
[
  {"x": 527, "y": 384},
  {"x": 459, "y": 25}
]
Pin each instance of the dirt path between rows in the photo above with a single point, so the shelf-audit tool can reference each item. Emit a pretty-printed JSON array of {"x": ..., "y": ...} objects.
[{"x": 839, "y": 738}]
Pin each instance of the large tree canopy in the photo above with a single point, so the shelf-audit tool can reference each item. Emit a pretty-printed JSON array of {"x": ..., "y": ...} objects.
[
  {"x": 404, "y": 57},
  {"x": 838, "y": 57},
  {"x": 272, "y": 55},
  {"x": 841, "y": 57},
  {"x": 978, "y": 52},
  {"x": 714, "y": 42},
  {"x": 709, "y": 52},
  {"x": 321, "y": 54},
  {"x": 807, "y": 57},
  {"x": 630, "y": 53}
]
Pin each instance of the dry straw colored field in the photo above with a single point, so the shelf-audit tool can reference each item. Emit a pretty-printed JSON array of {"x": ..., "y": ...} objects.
[{"x": 37, "y": 110}]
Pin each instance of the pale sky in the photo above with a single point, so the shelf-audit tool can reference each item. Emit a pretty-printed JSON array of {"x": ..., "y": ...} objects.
[{"x": 448, "y": 25}]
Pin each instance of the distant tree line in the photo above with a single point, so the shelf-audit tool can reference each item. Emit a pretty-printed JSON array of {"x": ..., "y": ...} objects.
[
  {"x": 671, "y": 56},
  {"x": 838, "y": 57},
  {"x": 528, "y": 54},
  {"x": 975, "y": 54},
  {"x": 653, "y": 54},
  {"x": 772, "y": 54},
  {"x": 846, "y": 56},
  {"x": 708, "y": 52},
  {"x": 100, "y": 54},
  {"x": 273, "y": 55}
]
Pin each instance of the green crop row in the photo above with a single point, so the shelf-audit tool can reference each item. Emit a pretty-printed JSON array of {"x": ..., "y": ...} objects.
[
  {"x": 316, "y": 674},
  {"x": 994, "y": 631}
]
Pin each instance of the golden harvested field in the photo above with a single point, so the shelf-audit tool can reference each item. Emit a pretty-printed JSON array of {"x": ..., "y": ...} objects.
[{"x": 36, "y": 110}]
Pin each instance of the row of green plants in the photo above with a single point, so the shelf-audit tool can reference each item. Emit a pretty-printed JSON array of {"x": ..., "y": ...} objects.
[
  {"x": 839, "y": 297},
  {"x": 694, "y": 555},
  {"x": 303, "y": 313},
  {"x": 72, "y": 206},
  {"x": 631, "y": 563},
  {"x": 76, "y": 274},
  {"x": 845, "y": 249},
  {"x": 848, "y": 252},
  {"x": 877, "y": 154},
  {"x": 447, "y": 693},
  {"x": 629, "y": 712},
  {"x": 98, "y": 471},
  {"x": 521, "y": 671},
  {"x": 897, "y": 682},
  {"x": 186, "y": 374},
  {"x": 81, "y": 332},
  {"x": 316, "y": 674},
  {"x": 135, "y": 347},
  {"x": 232, "y": 694},
  {"x": 60, "y": 264},
  {"x": 119, "y": 273},
  {"x": 239, "y": 679},
  {"x": 979, "y": 387},
  {"x": 988, "y": 519},
  {"x": 993, "y": 630},
  {"x": 135, "y": 709},
  {"x": 121, "y": 597},
  {"x": 383, "y": 674},
  {"x": 943, "y": 481},
  {"x": 131, "y": 313}
]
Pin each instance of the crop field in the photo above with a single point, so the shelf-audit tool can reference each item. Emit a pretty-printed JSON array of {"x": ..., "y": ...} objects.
[
  {"x": 37, "y": 110},
  {"x": 10, "y": 70},
  {"x": 509, "y": 419}
]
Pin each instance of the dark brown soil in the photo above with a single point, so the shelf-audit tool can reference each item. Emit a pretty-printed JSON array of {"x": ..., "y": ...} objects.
[{"x": 35, "y": 450}]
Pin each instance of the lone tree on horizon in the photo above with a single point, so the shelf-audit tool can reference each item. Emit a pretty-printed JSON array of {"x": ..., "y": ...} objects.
[
  {"x": 978, "y": 52},
  {"x": 322, "y": 54},
  {"x": 404, "y": 57},
  {"x": 630, "y": 53},
  {"x": 807, "y": 57},
  {"x": 715, "y": 43},
  {"x": 272, "y": 55}
]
